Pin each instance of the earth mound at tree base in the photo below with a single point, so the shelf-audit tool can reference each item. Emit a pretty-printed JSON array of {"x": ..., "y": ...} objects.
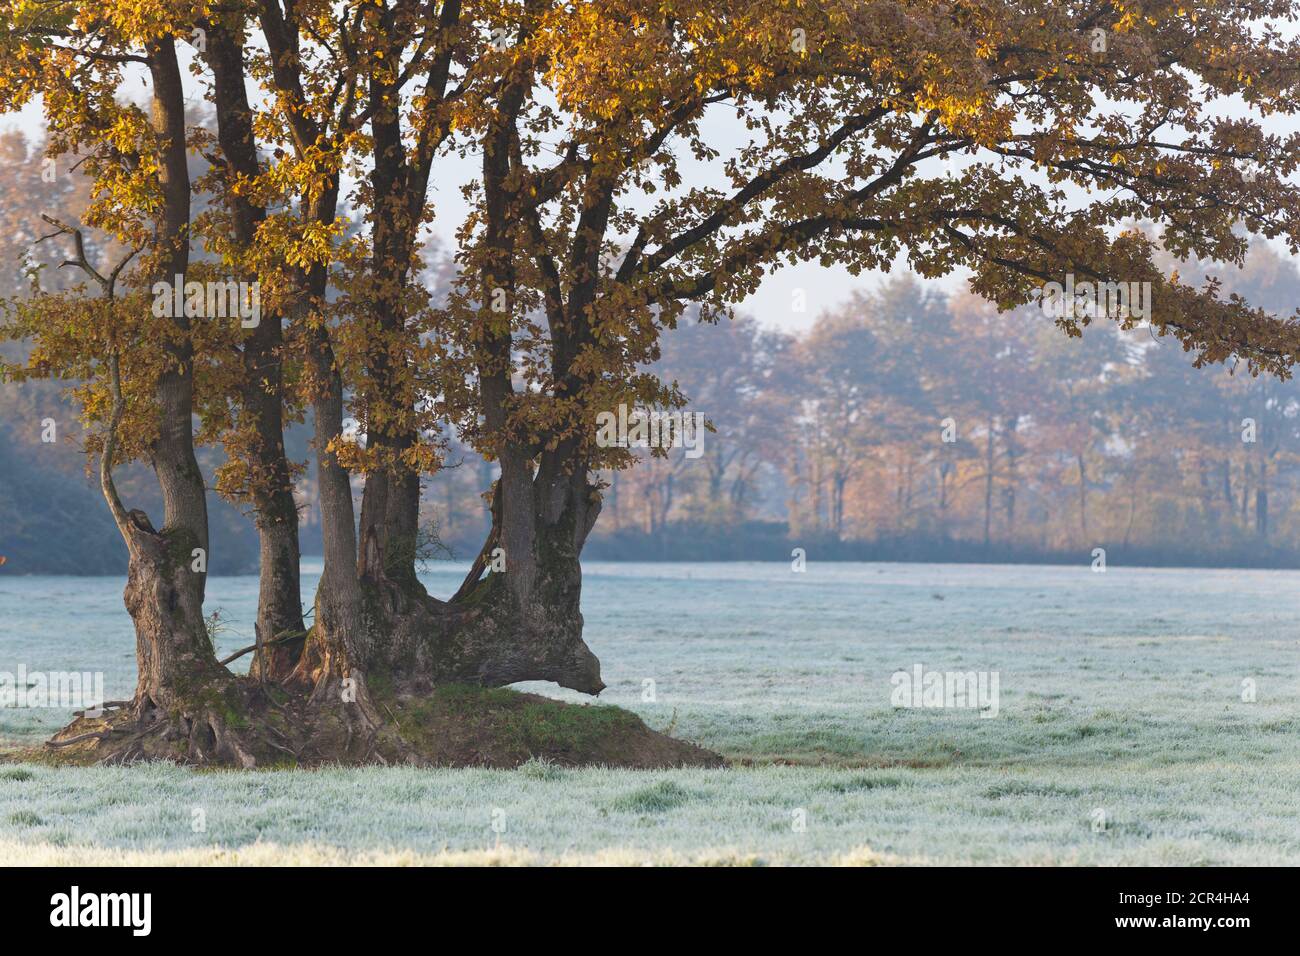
[{"x": 247, "y": 726}]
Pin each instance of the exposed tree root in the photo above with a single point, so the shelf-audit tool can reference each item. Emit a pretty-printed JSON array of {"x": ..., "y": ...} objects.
[{"x": 245, "y": 724}]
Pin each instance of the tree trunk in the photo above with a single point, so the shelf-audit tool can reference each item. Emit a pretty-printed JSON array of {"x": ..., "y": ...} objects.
[
  {"x": 520, "y": 624},
  {"x": 666, "y": 499},
  {"x": 390, "y": 504},
  {"x": 523, "y": 623},
  {"x": 183, "y": 696},
  {"x": 715, "y": 469},
  {"x": 911, "y": 493},
  {"x": 279, "y": 602},
  {"x": 336, "y": 642},
  {"x": 526, "y": 624},
  {"x": 1132, "y": 510},
  {"x": 279, "y": 626},
  {"x": 167, "y": 569}
]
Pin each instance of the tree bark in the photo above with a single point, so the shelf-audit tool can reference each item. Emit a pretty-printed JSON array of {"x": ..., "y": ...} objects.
[
  {"x": 165, "y": 586},
  {"x": 391, "y": 500},
  {"x": 523, "y": 623},
  {"x": 338, "y": 641},
  {"x": 520, "y": 624},
  {"x": 399, "y": 179},
  {"x": 279, "y": 604}
]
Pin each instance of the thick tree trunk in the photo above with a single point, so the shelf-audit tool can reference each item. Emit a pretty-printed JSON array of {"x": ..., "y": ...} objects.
[
  {"x": 390, "y": 504},
  {"x": 173, "y": 652},
  {"x": 339, "y": 640},
  {"x": 279, "y": 622},
  {"x": 167, "y": 573},
  {"x": 183, "y": 695},
  {"x": 379, "y": 644},
  {"x": 399, "y": 180},
  {"x": 173, "y": 655},
  {"x": 518, "y": 625},
  {"x": 522, "y": 623},
  {"x": 279, "y": 604}
]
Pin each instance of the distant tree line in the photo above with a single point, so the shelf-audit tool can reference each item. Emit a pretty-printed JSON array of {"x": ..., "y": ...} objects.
[
  {"x": 906, "y": 424},
  {"x": 913, "y": 424}
]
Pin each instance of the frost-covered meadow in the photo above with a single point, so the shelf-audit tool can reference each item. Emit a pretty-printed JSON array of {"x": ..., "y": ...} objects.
[{"x": 1122, "y": 735}]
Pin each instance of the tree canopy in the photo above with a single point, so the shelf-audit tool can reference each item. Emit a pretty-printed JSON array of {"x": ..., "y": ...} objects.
[{"x": 635, "y": 158}]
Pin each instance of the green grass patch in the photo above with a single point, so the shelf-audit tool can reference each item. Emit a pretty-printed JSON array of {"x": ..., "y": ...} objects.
[{"x": 656, "y": 798}]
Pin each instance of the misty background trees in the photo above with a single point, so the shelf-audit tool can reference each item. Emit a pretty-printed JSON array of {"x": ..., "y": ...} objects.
[
  {"x": 836, "y": 437},
  {"x": 831, "y": 438}
]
